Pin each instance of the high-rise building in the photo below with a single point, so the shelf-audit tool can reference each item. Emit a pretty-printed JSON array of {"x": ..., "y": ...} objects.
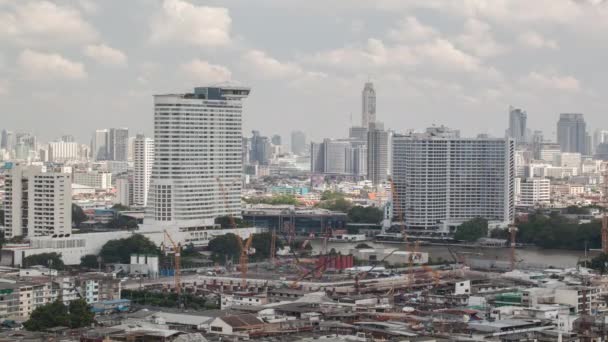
[
  {"x": 377, "y": 153},
  {"x": 197, "y": 169},
  {"x": 118, "y": 146},
  {"x": 143, "y": 159},
  {"x": 8, "y": 140},
  {"x": 100, "y": 145},
  {"x": 537, "y": 141},
  {"x": 517, "y": 125},
  {"x": 572, "y": 133},
  {"x": 298, "y": 142},
  {"x": 532, "y": 192},
  {"x": 358, "y": 132},
  {"x": 68, "y": 138},
  {"x": 276, "y": 140},
  {"x": 317, "y": 158},
  {"x": 336, "y": 156},
  {"x": 368, "y": 99},
  {"x": 600, "y": 136},
  {"x": 123, "y": 192},
  {"x": 37, "y": 203},
  {"x": 260, "y": 149},
  {"x": 339, "y": 157},
  {"x": 61, "y": 151},
  {"x": 94, "y": 179},
  {"x": 443, "y": 180}
]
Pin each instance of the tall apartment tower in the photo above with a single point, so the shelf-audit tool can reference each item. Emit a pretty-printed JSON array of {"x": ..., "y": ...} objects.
[
  {"x": 377, "y": 153},
  {"x": 517, "y": 125},
  {"x": 572, "y": 133},
  {"x": 197, "y": 169},
  {"x": 37, "y": 203},
  {"x": 100, "y": 145},
  {"x": 443, "y": 180},
  {"x": 368, "y": 99},
  {"x": 118, "y": 145},
  {"x": 298, "y": 142},
  {"x": 143, "y": 159}
]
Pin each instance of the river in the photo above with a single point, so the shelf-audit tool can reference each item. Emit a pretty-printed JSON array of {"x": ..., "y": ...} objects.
[{"x": 532, "y": 255}]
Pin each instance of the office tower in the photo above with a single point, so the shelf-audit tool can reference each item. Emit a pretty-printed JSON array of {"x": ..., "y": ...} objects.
[
  {"x": 197, "y": 169},
  {"x": 4, "y": 139},
  {"x": 260, "y": 149},
  {"x": 61, "y": 151},
  {"x": 368, "y": 99},
  {"x": 276, "y": 140},
  {"x": 37, "y": 203},
  {"x": 532, "y": 192},
  {"x": 537, "y": 141},
  {"x": 335, "y": 156},
  {"x": 443, "y": 180},
  {"x": 600, "y": 136},
  {"x": 246, "y": 151},
  {"x": 143, "y": 159},
  {"x": 118, "y": 146},
  {"x": 357, "y": 132},
  {"x": 123, "y": 193},
  {"x": 8, "y": 140},
  {"x": 68, "y": 138},
  {"x": 298, "y": 142},
  {"x": 377, "y": 153},
  {"x": 572, "y": 133},
  {"x": 358, "y": 165},
  {"x": 317, "y": 158},
  {"x": 517, "y": 125},
  {"x": 100, "y": 145}
]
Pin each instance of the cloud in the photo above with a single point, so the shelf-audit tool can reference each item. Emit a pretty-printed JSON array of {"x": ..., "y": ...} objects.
[
  {"x": 410, "y": 29},
  {"x": 267, "y": 67},
  {"x": 183, "y": 22},
  {"x": 44, "y": 23},
  {"x": 202, "y": 71},
  {"x": 535, "y": 40},
  {"x": 106, "y": 55},
  {"x": 478, "y": 39},
  {"x": 49, "y": 66},
  {"x": 552, "y": 81}
]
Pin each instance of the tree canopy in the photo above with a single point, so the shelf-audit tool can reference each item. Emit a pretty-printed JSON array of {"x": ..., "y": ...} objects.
[
  {"x": 359, "y": 214},
  {"x": 334, "y": 201},
  {"x": 122, "y": 222},
  {"x": 600, "y": 263},
  {"x": 119, "y": 251},
  {"x": 261, "y": 242},
  {"x": 274, "y": 200},
  {"x": 472, "y": 230},
  {"x": 77, "y": 315},
  {"x": 224, "y": 222},
  {"x": 225, "y": 247},
  {"x": 78, "y": 215},
  {"x": 120, "y": 207},
  {"x": 556, "y": 231},
  {"x": 45, "y": 259},
  {"x": 89, "y": 261}
]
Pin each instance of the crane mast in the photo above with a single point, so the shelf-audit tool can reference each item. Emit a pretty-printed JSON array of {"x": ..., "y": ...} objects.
[{"x": 177, "y": 248}]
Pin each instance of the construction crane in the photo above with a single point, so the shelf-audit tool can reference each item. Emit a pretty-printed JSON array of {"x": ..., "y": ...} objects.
[
  {"x": 605, "y": 215},
  {"x": 362, "y": 275},
  {"x": 177, "y": 248}
]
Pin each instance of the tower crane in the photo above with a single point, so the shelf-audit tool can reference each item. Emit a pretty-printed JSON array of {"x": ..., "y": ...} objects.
[{"x": 177, "y": 248}]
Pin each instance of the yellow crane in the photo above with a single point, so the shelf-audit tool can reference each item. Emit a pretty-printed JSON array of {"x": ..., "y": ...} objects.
[{"x": 177, "y": 249}]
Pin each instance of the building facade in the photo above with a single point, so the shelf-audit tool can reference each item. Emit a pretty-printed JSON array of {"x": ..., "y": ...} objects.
[
  {"x": 532, "y": 192},
  {"x": 143, "y": 160},
  {"x": 37, "y": 203},
  {"x": 197, "y": 169},
  {"x": 443, "y": 180},
  {"x": 118, "y": 147},
  {"x": 377, "y": 153},
  {"x": 61, "y": 151},
  {"x": 572, "y": 133},
  {"x": 298, "y": 142},
  {"x": 517, "y": 125},
  {"x": 94, "y": 179},
  {"x": 368, "y": 102}
]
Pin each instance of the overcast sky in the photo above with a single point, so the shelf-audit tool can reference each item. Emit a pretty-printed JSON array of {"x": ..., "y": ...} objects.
[{"x": 69, "y": 66}]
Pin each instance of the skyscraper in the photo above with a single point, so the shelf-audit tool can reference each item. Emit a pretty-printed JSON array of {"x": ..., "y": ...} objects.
[
  {"x": 197, "y": 169},
  {"x": 377, "y": 153},
  {"x": 276, "y": 140},
  {"x": 298, "y": 142},
  {"x": 143, "y": 159},
  {"x": 260, "y": 149},
  {"x": 443, "y": 180},
  {"x": 368, "y": 98},
  {"x": 572, "y": 133},
  {"x": 517, "y": 125},
  {"x": 357, "y": 132},
  {"x": 118, "y": 146},
  {"x": 100, "y": 145}
]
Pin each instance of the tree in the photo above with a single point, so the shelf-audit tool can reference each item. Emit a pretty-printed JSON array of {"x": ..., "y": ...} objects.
[
  {"x": 261, "y": 243},
  {"x": 120, "y": 207},
  {"x": 89, "y": 261},
  {"x": 225, "y": 222},
  {"x": 78, "y": 215},
  {"x": 119, "y": 251},
  {"x": 600, "y": 263},
  {"x": 340, "y": 204},
  {"x": 225, "y": 247},
  {"x": 122, "y": 222},
  {"x": 472, "y": 230},
  {"x": 359, "y": 214},
  {"x": 48, "y": 316},
  {"x": 80, "y": 314},
  {"x": 52, "y": 260}
]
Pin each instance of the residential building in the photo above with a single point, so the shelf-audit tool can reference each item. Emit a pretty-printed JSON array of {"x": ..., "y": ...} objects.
[
  {"x": 123, "y": 192},
  {"x": 368, "y": 101},
  {"x": 517, "y": 125},
  {"x": 61, "y": 151},
  {"x": 377, "y": 153},
  {"x": 532, "y": 192},
  {"x": 572, "y": 133},
  {"x": 197, "y": 169},
  {"x": 118, "y": 145},
  {"x": 567, "y": 159},
  {"x": 95, "y": 179},
  {"x": 442, "y": 180},
  {"x": 36, "y": 202},
  {"x": 143, "y": 160},
  {"x": 298, "y": 142}
]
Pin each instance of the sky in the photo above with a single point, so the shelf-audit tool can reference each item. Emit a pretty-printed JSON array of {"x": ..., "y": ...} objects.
[{"x": 73, "y": 66}]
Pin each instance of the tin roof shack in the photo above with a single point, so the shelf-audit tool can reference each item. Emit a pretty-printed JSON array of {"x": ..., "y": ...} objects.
[
  {"x": 237, "y": 325},
  {"x": 366, "y": 302}
]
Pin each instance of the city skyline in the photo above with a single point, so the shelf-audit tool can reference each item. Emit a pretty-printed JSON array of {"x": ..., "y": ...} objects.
[{"x": 422, "y": 72}]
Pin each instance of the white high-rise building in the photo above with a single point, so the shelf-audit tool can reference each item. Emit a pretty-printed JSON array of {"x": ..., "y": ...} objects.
[
  {"x": 118, "y": 146},
  {"x": 197, "y": 169},
  {"x": 123, "y": 192},
  {"x": 368, "y": 99},
  {"x": 532, "y": 192},
  {"x": 61, "y": 151},
  {"x": 443, "y": 180},
  {"x": 37, "y": 203},
  {"x": 143, "y": 159}
]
